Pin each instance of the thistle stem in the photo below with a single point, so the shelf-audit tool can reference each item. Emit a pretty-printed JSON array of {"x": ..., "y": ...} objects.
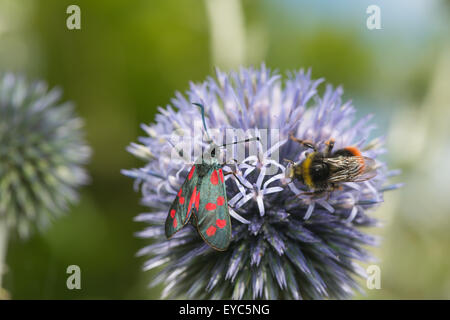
[{"x": 3, "y": 248}]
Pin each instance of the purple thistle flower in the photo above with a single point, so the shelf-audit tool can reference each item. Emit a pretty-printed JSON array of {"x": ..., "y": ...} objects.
[
  {"x": 285, "y": 245},
  {"x": 43, "y": 155}
]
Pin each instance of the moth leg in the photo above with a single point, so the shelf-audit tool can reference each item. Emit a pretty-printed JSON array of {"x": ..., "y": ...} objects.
[
  {"x": 306, "y": 143},
  {"x": 235, "y": 175},
  {"x": 237, "y": 162},
  {"x": 247, "y": 164}
]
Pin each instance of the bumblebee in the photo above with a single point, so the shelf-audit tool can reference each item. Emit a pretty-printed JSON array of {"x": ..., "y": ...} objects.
[{"x": 322, "y": 171}]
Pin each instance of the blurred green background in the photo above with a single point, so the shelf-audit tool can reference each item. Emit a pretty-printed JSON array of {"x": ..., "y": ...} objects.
[{"x": 131, "y": 56}]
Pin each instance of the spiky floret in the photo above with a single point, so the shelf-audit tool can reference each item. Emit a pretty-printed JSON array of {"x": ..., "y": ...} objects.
[
  {"x": 285, "y": 245},
  {"x": 42, "y": 153}
]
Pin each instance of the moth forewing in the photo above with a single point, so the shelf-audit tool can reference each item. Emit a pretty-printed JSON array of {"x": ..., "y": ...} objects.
[
  {"x": 213, "y": 218},
  {"x": 180, "y": 211}
]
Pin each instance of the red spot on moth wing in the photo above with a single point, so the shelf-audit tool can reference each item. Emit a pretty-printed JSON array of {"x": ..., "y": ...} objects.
[
  {"x": 191, "y": 173},
  {"x": 191, "y": 201},
  {"x": 221, "y": 223},
  {"x": 220, "y": 200},
  {"x": 214, "y": 177},
  {"x": 172, "y": 213},
  {"x": 221, "y": 174},
  {"x": 175, "y": 222},
  {"x": 179, "y": 192},
  {"x": 197, "y": 200},
  {"x": 210, "y": 206},
  {"x": 181, "y": 200},
  {"x": 211, "y": 231}
]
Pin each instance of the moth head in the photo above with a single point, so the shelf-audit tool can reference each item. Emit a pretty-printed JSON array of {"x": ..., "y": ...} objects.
[{"x": 214, "y": 153}]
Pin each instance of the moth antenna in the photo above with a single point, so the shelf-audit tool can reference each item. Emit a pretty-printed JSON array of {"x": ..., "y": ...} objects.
[
  {"x": 202, "y": 108},
  {"x": 243, "y": 141},
  {"x": 180, "y": 152}
]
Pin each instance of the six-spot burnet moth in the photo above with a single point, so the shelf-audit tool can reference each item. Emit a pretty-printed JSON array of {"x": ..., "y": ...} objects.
[{"x": 203, "y": 199}]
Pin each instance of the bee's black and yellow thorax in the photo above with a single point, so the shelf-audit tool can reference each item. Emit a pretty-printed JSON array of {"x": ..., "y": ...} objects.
[{"x": 314, "y": 171}]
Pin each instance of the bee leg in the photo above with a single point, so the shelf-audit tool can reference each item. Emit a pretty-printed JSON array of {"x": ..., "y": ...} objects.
[
  {"x": 314, "y": 194},
  {"x": 329, "y": 146},
  {"x": 289, "y": 161},
  {"x": 306, "y": 143},
  {"x": 329, "y": 194},
  {"x": 333, "y": 187}
]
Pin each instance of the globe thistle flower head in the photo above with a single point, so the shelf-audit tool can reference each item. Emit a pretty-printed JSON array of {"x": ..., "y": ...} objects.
[
  {"x": 42, "y": 153},
  {"x": 286, "y": 244}
]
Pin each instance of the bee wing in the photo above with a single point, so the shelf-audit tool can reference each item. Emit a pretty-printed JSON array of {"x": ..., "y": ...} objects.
[
  {"x": 368, "y": 171},
  {"x": 351, "y": 169}
]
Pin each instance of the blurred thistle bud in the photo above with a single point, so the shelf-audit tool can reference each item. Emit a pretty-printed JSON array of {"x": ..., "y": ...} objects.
[
  {"x": 286, "y": 244},
  {"x": 42, "y": 153}
]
